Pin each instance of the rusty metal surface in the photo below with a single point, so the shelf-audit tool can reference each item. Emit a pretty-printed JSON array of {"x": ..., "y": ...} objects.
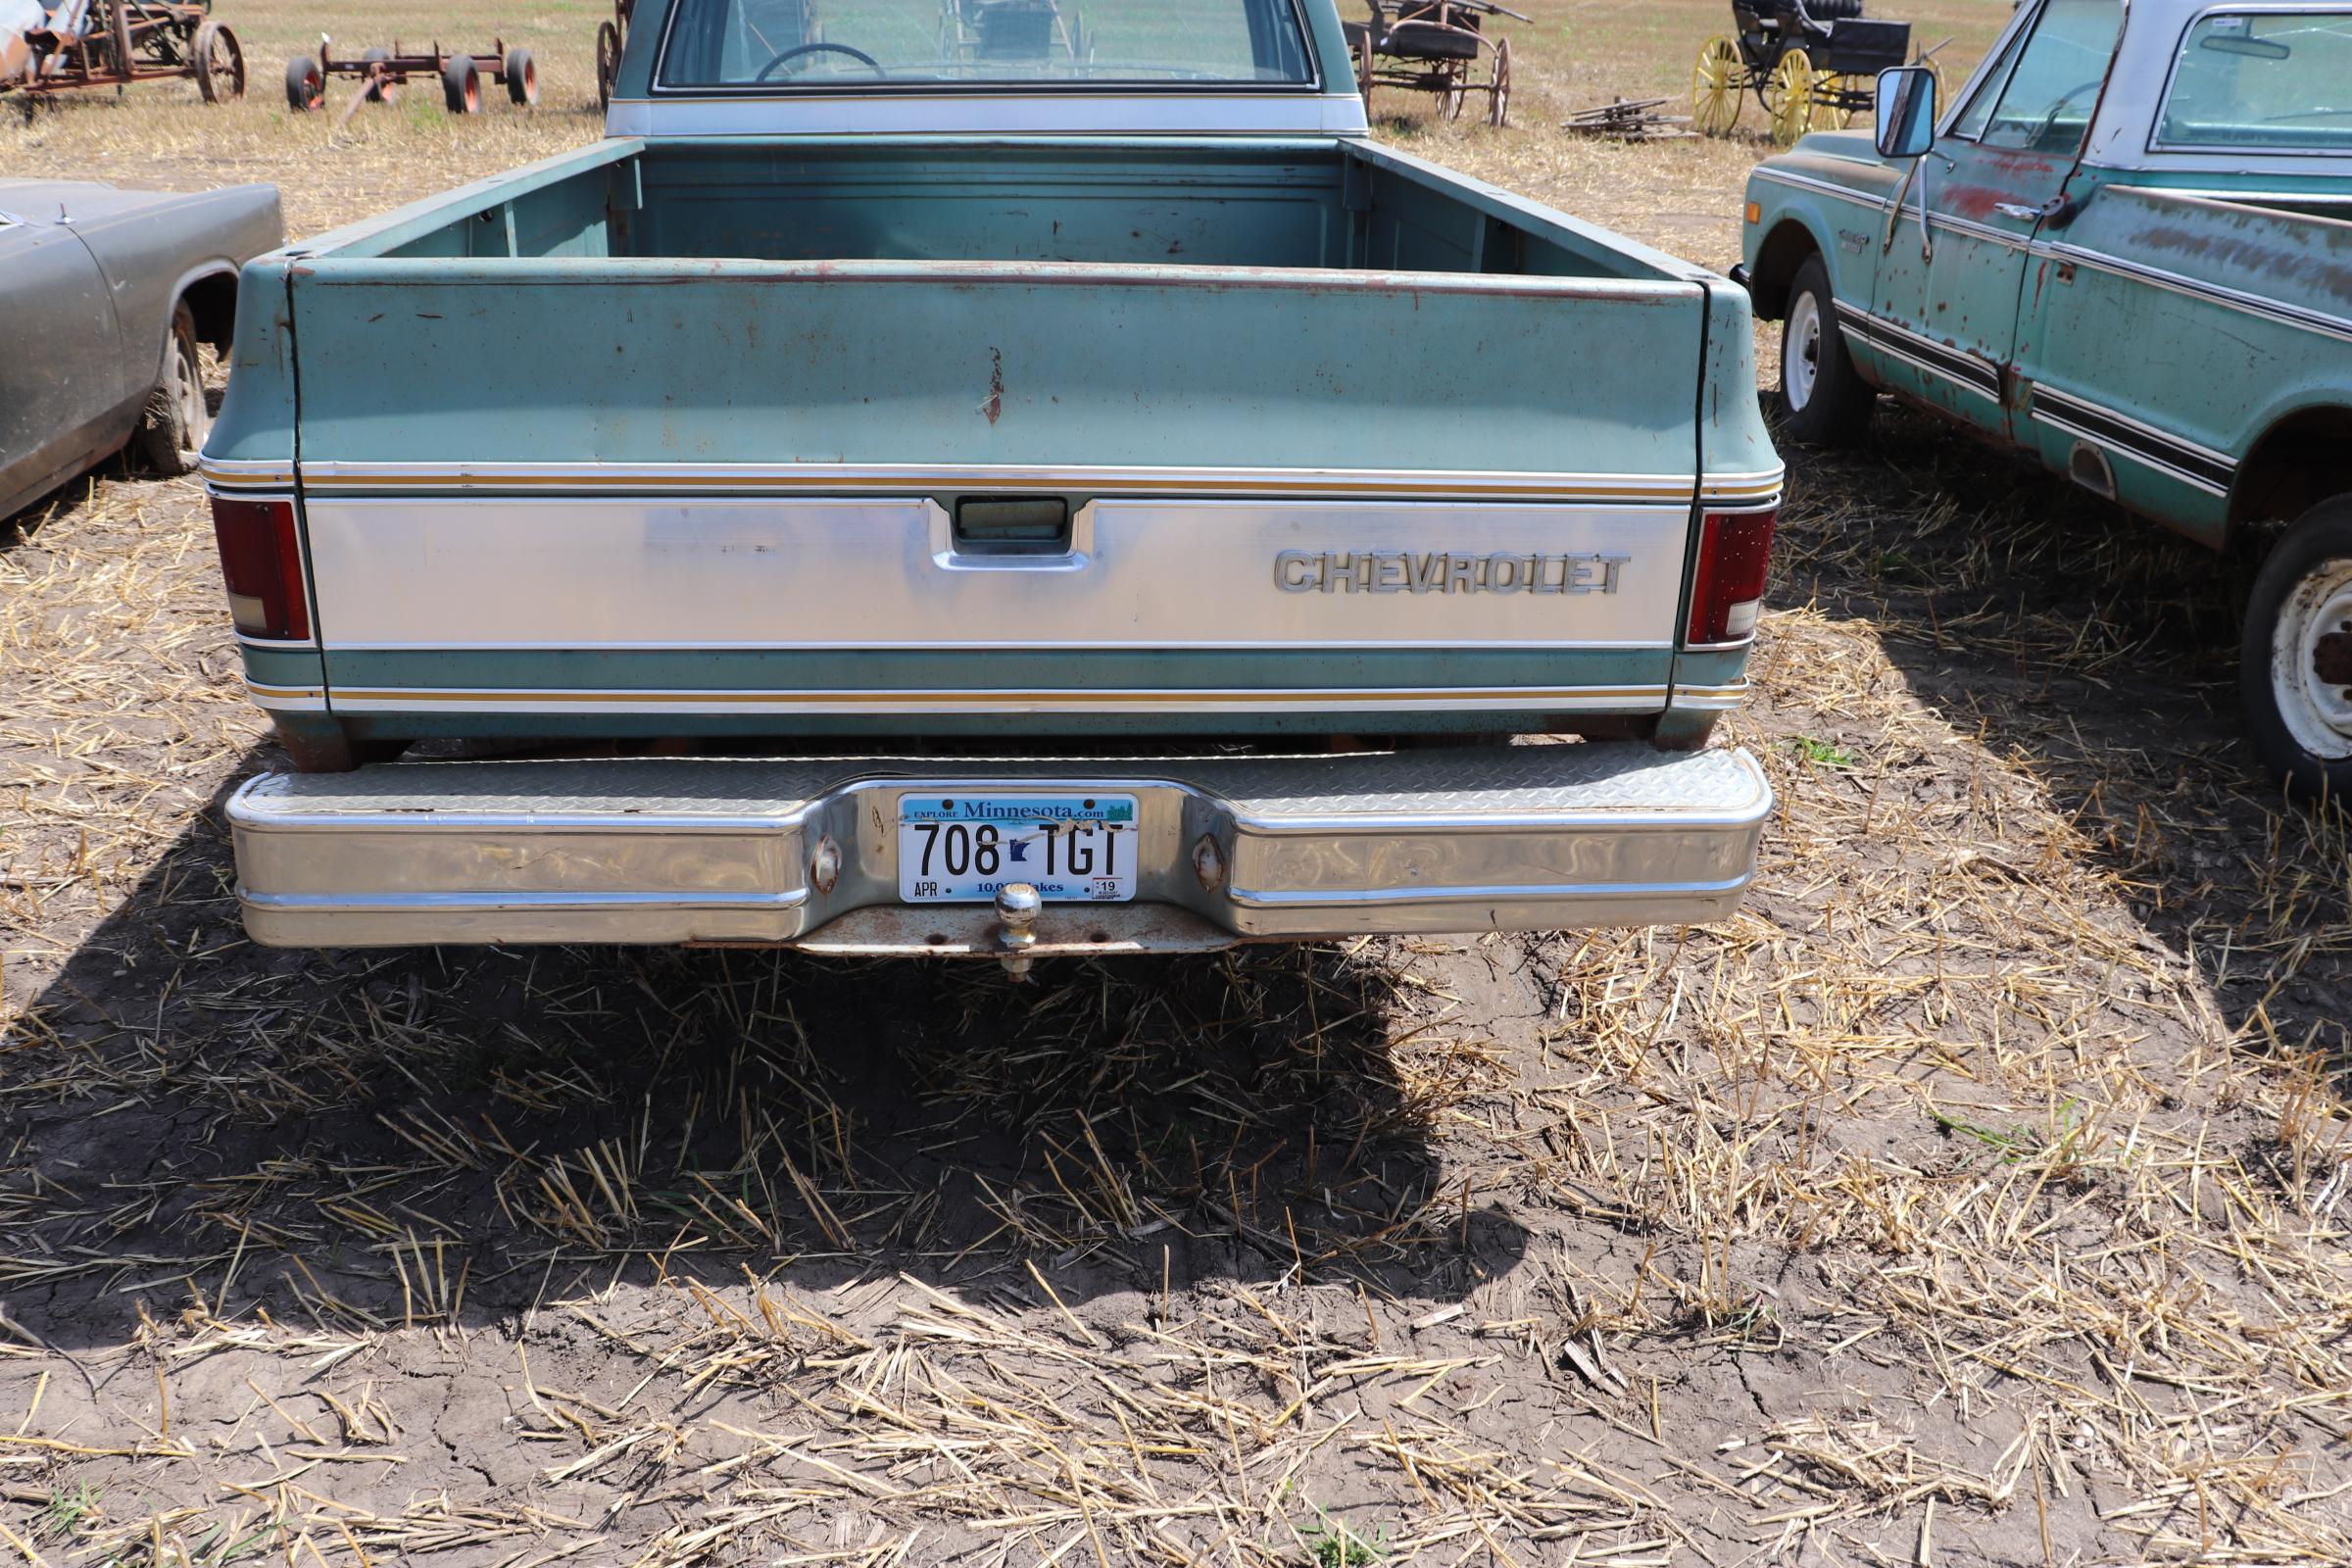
[
  {"x": 380, "y": 73},
  {"x": 111, "y": 43},
  {"x": 2331, "y": 660}
]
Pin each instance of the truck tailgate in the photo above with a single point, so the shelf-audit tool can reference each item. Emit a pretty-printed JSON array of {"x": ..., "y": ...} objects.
[{"x": 731, "y": 489}]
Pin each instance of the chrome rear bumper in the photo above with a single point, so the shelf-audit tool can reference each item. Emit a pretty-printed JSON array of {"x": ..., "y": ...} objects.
[{"x": 803, "y": 853}]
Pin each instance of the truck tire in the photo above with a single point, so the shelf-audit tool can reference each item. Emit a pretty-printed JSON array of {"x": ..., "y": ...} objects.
[
  {"x": 1824, "y": 400},
  {"x": 2295, "y": 665},
  {"x": 172, "y": 431}
]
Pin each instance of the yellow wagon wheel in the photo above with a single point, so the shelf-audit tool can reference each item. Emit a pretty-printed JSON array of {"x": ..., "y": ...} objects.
[
  {"x": 1791, "y": 97},
  {"x": 1716, "y": 98},
  {"x": 1828, "y": 115}
]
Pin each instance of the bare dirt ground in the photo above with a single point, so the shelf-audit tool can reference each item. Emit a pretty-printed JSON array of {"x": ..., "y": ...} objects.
[{"x": 1974, "y": 1198}]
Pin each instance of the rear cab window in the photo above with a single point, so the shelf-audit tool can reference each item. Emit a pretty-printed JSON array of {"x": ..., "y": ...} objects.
[
  {"x": 887, "y": 45},
  {"x": 2267, "y": 81}
]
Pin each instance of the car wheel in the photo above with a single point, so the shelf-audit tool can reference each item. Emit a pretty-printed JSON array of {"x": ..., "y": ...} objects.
[
  {"x": 522, "y": 79},
  {"x": 1824, "y": 400},
  {"x": 173, "y": 430},
  {"x": 2295, "y": 665}
]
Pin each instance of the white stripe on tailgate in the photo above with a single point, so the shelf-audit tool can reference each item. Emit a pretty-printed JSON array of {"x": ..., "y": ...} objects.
[{"x": 811, "y": 573}]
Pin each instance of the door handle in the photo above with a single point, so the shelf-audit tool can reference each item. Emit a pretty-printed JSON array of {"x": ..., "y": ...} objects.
[{"x": 2057, "y": 212}]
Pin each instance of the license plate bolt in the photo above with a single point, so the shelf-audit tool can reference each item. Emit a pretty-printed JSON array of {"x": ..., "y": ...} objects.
[{"x": 825, "y": 866}]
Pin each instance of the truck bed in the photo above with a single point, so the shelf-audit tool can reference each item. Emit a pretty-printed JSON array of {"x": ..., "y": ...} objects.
[{"x": 721, "y": 405}]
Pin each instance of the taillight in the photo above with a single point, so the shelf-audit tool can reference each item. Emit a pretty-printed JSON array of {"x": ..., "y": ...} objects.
[
  {"x": 1733, "y": 550},
  {"x": 261, "y": 565}
]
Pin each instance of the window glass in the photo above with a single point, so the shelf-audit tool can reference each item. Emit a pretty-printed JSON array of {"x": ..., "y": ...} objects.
[
  {"x": 2250, "y": 81},
  {"x": 1970, "y": 124},
  {"x": 830, "y": 45},
  {"x": 2046, "y": 106}
]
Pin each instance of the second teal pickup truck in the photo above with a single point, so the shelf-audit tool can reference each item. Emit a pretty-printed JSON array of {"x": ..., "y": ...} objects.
[
  {"x": 1003, "y": 488},
  {"x": 2127, "y": 250}
]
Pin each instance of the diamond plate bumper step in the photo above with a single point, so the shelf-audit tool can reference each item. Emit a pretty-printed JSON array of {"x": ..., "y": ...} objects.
[{"x": 803, "y": 852}]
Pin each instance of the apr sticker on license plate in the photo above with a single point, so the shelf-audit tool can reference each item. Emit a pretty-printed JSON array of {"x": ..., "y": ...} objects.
[{"x": 962, "y": 849}]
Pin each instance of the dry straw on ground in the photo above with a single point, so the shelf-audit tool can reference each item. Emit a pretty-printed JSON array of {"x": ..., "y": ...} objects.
[{"x": 1975, "y": 1197}]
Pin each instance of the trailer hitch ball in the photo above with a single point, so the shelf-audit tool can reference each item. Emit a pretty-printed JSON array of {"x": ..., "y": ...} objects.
[{"x": 1018, "y": 905}]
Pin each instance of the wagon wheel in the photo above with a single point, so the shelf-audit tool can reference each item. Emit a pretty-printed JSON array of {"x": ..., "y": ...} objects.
[
  {"x": 1363, "y": 76},
  {"x": 1715, "y": 87},
  {"x": 608, "y": 61},
  {"x": 1831, "y": 103},
  {"x": 1793, "y": 97},
  {"x": 1450, "y": 89},
  {"x": 218, "y": 62},
  {"x": 1498, "y": 89}
]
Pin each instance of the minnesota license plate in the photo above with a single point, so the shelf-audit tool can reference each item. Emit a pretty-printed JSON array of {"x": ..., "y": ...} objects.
[{"x": 962, "y": 849}]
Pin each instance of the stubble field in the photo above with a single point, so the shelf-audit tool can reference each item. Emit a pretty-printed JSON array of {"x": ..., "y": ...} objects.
[{"x": 1975, "y": 1197}]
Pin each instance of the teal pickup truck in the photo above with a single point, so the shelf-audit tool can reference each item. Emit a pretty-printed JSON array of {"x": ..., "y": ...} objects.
[
  {"x": 996, "y": 486},
  {"x": 2127, "y": 250}
]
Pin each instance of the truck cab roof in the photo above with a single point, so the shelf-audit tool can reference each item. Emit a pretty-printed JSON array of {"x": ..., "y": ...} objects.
[{"x": 2205, "y": 88}]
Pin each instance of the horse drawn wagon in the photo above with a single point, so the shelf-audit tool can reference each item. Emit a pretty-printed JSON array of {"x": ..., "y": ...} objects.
[
  {"x": 1434, "y": 46},
  {"x": 1811, "y": 65}
]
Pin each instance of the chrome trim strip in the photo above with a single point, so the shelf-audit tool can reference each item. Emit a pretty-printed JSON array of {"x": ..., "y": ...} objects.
[
  {"x": 1959, "y": 367},
  {"x": 1172, "y": 700},
  {"x": 244, "y": 473},
  {"x": 287, "y": 699},
  {"x": 2326, "y": 325},
  {"x": 899, "y": 479},
  {"x": 1785, "y": 176},
  {"x": 2156, "y": 434},
  {"x": 1482, "y": 894},
  {"x": 1710, "y": 699},
  {"x": 2145, "y": 459},
  {"x": 2002, "y": 237},
  {"x": 2234, "y": 197},
  {"x": 1528, "y": 645},
  {"x": 1272, "y": 111}
]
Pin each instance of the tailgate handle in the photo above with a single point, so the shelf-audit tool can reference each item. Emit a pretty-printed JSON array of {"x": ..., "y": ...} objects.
[{"x": 1013, "y": 525}]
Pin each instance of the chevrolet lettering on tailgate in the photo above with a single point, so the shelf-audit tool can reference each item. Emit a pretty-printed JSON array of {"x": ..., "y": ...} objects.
[{"x": 1399, "y": 572}]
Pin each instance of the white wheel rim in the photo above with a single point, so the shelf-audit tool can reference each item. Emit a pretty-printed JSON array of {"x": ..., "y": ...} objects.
[
  {"x": 1801, "y": 350},
  {"x": 2310, "y": 661}
]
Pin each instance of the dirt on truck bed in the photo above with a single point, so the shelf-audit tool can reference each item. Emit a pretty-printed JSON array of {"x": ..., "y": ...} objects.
[{"x": 1974, "y": 1198}]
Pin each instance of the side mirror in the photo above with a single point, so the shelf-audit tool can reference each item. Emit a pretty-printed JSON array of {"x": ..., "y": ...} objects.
[{"x": 1906, "y": 111}]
